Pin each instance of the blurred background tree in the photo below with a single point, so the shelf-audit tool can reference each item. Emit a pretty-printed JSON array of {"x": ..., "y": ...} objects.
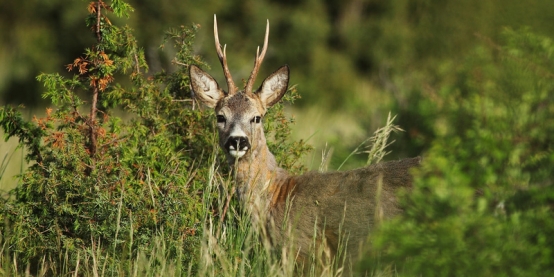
[
  {"x": 482, "y": 202},
  {"x": 353, "y": 61}
]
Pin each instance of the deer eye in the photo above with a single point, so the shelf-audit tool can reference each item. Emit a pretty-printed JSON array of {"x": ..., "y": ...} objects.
[
  {"x": 256, "y": 119},
  {"x": 221, "y": 119}
]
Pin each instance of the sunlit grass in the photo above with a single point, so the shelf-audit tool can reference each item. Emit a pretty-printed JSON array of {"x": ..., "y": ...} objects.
[
  {"x": 340, "y": 131},
  {"x": 12, "y": 163}
]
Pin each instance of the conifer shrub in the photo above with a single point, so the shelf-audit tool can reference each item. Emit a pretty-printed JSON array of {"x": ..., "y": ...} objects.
[{"x": 119, "y": 162}]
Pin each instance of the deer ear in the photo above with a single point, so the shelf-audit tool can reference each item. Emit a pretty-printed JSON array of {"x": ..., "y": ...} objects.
[
  {"x": 204, "y": 87},
  {"x": 274, "y": 87}
]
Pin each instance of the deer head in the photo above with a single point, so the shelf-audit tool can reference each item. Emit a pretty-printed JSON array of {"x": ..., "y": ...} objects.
[{"x": 239, "y": 113}]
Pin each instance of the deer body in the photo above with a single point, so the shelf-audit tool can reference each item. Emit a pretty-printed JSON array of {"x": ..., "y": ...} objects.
[
  {"x": 350, "y": 199},
  {"x": 337, "y": 203}
]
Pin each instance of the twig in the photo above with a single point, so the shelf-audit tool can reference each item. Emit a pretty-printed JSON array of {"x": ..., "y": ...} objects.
[
  {"x": 92, "y": 120},
  {"x": 92, "y": 117},
  {"x": 181, "y": 100},
  {"x": 98, "y": 16},
  {"x": 137, "y": 67},
  {"x": 179, "y": 63}
]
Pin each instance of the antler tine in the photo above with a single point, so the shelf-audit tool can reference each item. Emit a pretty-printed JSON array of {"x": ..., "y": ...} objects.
[
  {"x": 223, "y": 59},
  {"x": 258, "y": 61}
]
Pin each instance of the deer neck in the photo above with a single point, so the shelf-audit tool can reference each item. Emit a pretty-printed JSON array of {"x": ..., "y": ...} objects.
[{"x": 255, "y": 174}]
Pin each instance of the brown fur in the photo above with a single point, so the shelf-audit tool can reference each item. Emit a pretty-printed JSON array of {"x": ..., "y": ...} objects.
[{"x": 349, "y": 198}]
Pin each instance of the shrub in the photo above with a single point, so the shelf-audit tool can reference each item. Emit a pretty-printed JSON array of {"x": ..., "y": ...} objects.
[
  {"x": 103, "y": 189},
  {"x": 482, "y": 202}
]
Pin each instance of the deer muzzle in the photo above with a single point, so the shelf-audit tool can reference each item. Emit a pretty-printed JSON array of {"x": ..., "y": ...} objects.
[{"x": 237, "y": 146}]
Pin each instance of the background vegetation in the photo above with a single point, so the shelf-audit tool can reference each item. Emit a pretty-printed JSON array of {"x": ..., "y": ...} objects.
[
  {"x": 353, "y": 61},
  {"x": 471, "y": 82}
]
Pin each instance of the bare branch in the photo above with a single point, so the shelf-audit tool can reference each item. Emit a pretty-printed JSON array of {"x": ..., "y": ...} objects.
[{"x": 98, "y": 17}]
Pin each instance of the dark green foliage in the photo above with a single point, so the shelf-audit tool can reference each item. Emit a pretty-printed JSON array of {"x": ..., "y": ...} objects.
[
  {"x": 482, "y": 204},
  {"x": 106, "y": 186},
  {"x": 277, "y": 127}
]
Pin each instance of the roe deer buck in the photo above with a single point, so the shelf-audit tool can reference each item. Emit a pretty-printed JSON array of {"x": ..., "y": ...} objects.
[{"x": 331, "y": 201}]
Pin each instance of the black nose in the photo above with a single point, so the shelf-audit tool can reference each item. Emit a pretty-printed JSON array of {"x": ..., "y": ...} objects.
[{"x": 237, "y": 144}]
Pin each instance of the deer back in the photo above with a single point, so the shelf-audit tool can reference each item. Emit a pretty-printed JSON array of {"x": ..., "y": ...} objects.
[{"x": 353, "y": 199}]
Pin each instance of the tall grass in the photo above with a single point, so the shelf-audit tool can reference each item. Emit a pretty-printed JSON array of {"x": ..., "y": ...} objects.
[
  {"x": 237, "y": 247},
  {"x": 231, "y": 244},
  {"x": 376, "y": 145}
]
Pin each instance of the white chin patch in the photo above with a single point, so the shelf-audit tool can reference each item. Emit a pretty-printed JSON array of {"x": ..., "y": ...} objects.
[{"x": 237, "y": 154}]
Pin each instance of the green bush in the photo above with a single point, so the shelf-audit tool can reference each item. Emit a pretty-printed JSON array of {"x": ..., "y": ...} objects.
[
  {"x": 482, "y": 202},
  {"x": 103, "y": 188}
]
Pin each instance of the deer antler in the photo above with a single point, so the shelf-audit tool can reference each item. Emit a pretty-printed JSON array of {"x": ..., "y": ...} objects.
[
  {"x": 223, "y": 59},
  {"x": 258, "y": 61}
]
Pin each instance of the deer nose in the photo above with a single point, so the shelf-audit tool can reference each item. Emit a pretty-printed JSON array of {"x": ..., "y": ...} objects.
[{"x": 237, "y": 146}]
